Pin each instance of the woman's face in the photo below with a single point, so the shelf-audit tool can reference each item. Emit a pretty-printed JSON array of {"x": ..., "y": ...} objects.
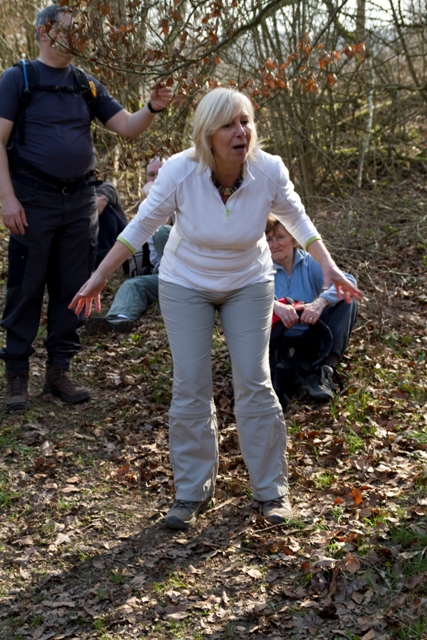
[
  {"x": 230, "y": 143},
  {"x": 281, "y": 244}
]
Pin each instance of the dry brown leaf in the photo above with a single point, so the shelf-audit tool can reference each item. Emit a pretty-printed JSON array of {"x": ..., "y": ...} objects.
[
  {"x": 62, "y": 538},
  {"x": 70, "y": 489},
  {"x": 306, "y": 566},
  {"x": 357, "y": 496},
  {"x": 254, "y": 573},
  {"x": 413, "y": 581},
  {"x": 271, "y": 576},
  {"x": 396, "y": 603},
  {"x": 193, "y": 570},
  {"x": 179, "y": 615},
  {"x": 351, "y": 564},
  {"x": 47, "y": 448},
  {"x": 25, "y": 575},
  {"x": 357, "y": 597},
  {"x": 38, "y": 633}
]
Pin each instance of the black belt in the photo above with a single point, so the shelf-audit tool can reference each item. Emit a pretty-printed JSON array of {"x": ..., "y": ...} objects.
[{"x": 66, "y": 187}]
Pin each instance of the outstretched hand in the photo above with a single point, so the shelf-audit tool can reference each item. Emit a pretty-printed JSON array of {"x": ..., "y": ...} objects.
[
  {"x": 89, "y": 293},
  {"x": 344, "y": 288},
  {"x": 331, "y": 274}
]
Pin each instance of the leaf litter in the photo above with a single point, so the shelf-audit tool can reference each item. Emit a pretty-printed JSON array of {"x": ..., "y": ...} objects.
[{"x": 83, "y": 492}]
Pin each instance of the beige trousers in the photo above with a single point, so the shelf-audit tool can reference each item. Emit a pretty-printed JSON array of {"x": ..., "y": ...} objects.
[{"x": 245, "y": 316}]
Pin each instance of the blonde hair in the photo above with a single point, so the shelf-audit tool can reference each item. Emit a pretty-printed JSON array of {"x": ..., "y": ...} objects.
[{"x": 217, "y": 108}]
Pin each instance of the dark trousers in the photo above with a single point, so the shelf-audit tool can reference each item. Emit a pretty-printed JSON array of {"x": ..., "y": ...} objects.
[
  {"x": 57, "y": 251},
  {"x": 340, "y": 319}
]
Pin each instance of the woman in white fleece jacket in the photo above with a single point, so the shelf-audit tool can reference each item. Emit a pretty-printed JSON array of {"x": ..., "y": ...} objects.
[{"x": 217, "y": 258}]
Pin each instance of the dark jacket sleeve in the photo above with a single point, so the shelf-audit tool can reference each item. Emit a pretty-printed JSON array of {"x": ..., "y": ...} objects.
[{"x": 109, "y": 191}]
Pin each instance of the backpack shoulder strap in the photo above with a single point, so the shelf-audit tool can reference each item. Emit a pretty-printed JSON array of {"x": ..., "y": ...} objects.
[
  {"x": 87, "y": 89},
  {"x": 31, "y": 80}
]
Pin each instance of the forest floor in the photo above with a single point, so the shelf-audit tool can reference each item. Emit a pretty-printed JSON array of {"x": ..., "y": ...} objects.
[{"x": 84, "y": 489}]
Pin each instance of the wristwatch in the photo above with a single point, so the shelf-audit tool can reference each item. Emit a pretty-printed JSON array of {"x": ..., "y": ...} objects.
[{"x": 150, "y": 108}]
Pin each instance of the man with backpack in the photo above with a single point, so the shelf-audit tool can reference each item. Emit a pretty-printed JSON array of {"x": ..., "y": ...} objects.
[
  {"x": 311, "y": 326},
  {"x": 48, "y": 199}
]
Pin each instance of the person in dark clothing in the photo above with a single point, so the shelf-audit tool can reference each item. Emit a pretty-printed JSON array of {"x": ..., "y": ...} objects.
[
  {"x": 48, "y": 202},
  {"x": 111, "y": 217},
  {"x": 136, "y": 294}
]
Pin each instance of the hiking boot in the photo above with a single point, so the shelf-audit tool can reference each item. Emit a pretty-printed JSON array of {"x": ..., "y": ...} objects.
[
  {"x": 59, "y": 383},
  {"x": 183, "y": 514},
  {"x": 321, "y": 387},
  {"x": 277, "y": 511},
  {"x": 16, "y": 398},
  {"x": 102, "y": 326}
]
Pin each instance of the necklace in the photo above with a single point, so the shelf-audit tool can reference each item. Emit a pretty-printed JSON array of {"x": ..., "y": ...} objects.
[{"x": 227, "y": 191}]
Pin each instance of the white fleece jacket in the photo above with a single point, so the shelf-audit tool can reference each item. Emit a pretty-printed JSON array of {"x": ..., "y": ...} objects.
[{"x": 215, "y": 246}]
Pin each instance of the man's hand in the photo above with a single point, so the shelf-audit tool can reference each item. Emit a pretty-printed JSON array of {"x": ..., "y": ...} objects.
[
  {"x": 160, "y": 96},
  {"x": 132, "y": 125},
  {"x": 147, "y": 187},
  {"x": 312, "y": 311},
  {"x": 101, "y": 203},
  {"x": 13, "y": 216}
]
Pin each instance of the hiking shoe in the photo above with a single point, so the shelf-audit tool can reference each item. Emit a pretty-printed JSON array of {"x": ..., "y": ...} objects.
[
  {"x": 102, "y": 326},
  {"x": 277, "y": 511},
  {"x": 320, "y": 387},
  {"x": 16, "y": 398},
  {"x": 59, "y": 383},
  {"x": 183, "y": 513}
]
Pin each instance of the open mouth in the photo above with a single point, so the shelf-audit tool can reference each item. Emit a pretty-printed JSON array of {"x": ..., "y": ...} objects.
[{"x": 240, "y": 147}]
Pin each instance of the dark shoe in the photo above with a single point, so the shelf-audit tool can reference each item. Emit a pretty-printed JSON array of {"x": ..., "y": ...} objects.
[
  {"x": 184, "y": 513},
  {"x": 59, "y": 383},
  {"x": 321, "y": 387},
  {"x": 102, "y": 326},
  {"x": 284, "y": 381},
  {"x": 277, "y": 511},
  {"x": 16, "y": 398}
]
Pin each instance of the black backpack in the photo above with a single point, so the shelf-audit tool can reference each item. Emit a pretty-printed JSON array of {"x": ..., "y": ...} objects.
[
  {"x": 139, "y": 263},
  {"x": 293, "y": 360},
  {"x": 82, "y": 85}
]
